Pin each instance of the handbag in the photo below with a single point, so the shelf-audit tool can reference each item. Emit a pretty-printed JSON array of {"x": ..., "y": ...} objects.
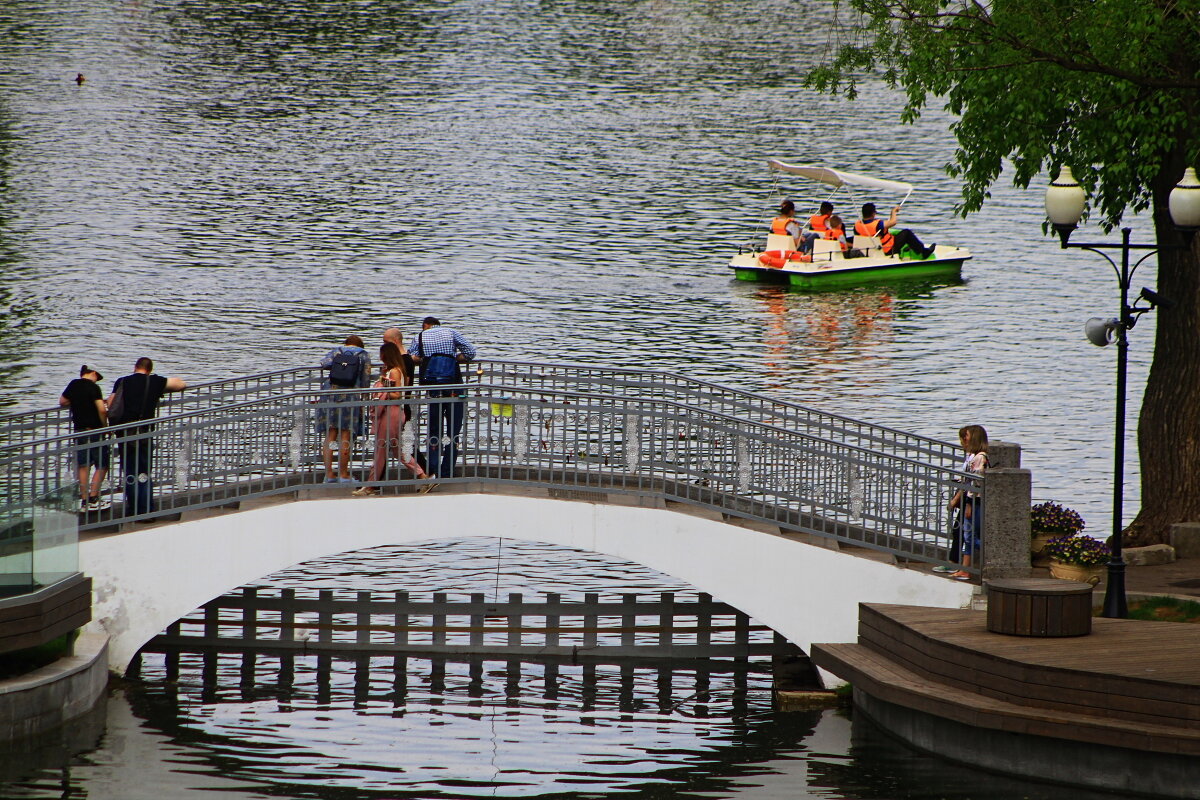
[
  {"x": 117, "y": 413},
  {"x": 116, "y": 409}
]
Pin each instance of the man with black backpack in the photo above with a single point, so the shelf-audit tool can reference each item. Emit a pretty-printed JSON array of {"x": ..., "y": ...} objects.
[
  {"x": 440, "y": 351},
  {"x": 341, "y": 415}
]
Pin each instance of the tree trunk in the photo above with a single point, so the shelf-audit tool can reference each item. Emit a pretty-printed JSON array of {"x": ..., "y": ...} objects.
[{"x": 1169, "y": 425}]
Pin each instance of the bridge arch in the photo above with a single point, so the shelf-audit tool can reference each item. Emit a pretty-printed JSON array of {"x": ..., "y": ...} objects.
[{"x": 146, "y": 579}]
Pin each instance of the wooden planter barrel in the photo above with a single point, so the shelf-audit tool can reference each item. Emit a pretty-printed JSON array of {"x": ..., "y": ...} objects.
[{"x": 1039, "y": 607}]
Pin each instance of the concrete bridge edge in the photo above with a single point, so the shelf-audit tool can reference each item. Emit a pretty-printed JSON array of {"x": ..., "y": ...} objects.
[{"x": 146, "y": 579}]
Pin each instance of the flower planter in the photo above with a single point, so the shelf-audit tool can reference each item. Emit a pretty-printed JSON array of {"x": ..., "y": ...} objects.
[
  {"x": 1036, "y": 545},
  {"x": 1074, "y": 572}
]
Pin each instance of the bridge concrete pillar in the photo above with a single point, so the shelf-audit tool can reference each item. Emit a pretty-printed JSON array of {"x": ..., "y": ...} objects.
[
  {"x": 1006, "y": 518},
  {"x": 1004, "y": 455}
]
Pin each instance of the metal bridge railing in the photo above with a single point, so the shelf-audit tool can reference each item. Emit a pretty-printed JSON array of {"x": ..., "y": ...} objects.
[
  {"x": 536, "y": 376},
  {"x": 525, "y": 430}
]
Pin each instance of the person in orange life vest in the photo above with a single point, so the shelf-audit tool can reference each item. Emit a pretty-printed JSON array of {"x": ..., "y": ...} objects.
[
  {"x": 786, "y": 223},
  {"x": 836, "y": 231},
  {"x": 871, "y": 225},
  {"x": 817, "y": 224}
]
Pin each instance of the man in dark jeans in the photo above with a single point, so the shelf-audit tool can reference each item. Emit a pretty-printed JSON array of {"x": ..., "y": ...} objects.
[
  {"x": 439, "y": 351},
  {"x": 139, "y": 396}
]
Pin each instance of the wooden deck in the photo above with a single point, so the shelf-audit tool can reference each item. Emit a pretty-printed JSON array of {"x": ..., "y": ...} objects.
[{"x": 1129, "y": 684}]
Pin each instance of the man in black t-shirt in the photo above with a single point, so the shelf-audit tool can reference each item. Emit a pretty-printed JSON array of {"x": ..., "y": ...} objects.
[
  {"x": 140, "y": 393},
  {"x": 88, "y": 413}
]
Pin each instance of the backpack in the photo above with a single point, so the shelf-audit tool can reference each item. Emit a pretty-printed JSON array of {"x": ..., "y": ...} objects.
[
  {"x": 345, "y": 368},
  {"x": 438, "y": 367}
]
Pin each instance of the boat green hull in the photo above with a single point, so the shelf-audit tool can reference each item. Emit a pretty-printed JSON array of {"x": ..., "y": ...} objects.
[{"x": 908, "y": 270}]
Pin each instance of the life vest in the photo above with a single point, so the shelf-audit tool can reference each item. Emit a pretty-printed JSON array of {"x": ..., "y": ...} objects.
[
  {"x": 874, "y": 228},
  {"x": 836, "y": 236},
  {"x": 776, "y": 259},
  {"x": 779, "y": 225},
  {"x": 818, "y": 222}
]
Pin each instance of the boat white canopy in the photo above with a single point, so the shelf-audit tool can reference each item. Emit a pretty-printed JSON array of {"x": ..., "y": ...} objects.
[{"x": 836, "y": 177}]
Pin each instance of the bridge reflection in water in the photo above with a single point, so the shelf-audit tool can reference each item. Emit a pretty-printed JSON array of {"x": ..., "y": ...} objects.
[
  {"x": 319, "y": 726},
  {"x": 318, "y": 690},
  {"x": 688, "y": 687},
  {"x": 663, "y": 633}
]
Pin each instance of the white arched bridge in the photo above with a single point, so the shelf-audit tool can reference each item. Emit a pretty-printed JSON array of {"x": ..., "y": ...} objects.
[{"x": 789, "y": 514}]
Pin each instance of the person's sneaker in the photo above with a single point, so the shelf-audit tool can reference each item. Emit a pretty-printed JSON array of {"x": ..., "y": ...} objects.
[
  {"x": 365, "y": 491},
  {"x": 930, "y": 252},
  {"x": 99, "y": 504},
  {"x": 347, "y": 480},
  {"x": 331, "y": 480},
  {"x": 961, "y": 576},
  {"x": 942, "y": 568},
  {"x": 84, "y": 506}
]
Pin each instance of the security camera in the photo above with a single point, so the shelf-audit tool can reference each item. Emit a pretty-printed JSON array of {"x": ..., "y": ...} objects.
[
  {"x": 1100, "y": 331},
  {"x": 1155, "y": 299}
]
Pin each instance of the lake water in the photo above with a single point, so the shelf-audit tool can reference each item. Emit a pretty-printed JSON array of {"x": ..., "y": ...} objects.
[
  {"x": 336, "y": 728},
  {"x": 235, "y": 187}
]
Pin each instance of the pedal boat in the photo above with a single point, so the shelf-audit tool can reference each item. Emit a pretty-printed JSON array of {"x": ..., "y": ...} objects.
[{"x": 827, "y": 267}]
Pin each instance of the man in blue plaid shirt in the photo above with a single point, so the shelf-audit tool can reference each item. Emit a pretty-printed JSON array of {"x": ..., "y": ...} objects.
[{"x": 439, "y": 351}]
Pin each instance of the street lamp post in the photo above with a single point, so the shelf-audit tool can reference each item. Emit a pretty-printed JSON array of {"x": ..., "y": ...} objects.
[{"x": 1065, "y": 201}]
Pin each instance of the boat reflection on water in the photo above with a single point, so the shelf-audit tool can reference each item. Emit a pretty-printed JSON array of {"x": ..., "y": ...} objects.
[{"x": 809, "y": 334}]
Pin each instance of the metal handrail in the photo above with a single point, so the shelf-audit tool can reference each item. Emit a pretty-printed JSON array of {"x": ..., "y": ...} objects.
[
  {"x": 643, "y": 383},
  {"x": 518, "y": 433},
  {"x": 414, "y": 393}
]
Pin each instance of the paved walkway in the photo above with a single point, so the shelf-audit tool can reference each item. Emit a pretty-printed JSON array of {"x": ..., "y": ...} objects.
[{"x": 1159, "y": 580}]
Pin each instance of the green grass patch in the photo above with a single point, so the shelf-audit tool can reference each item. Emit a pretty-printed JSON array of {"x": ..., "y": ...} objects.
[{"x": 1165, "y": 609}]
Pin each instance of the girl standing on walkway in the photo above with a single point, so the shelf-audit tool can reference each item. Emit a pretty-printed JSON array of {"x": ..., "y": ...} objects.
[
  {"x": 390, "y": 418},
  {"x": 974, "y": 440}
]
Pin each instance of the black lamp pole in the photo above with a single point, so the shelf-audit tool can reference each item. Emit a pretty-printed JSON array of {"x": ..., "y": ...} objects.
[
  {"x": 1114, "y": 591},
  {"x": 1066, "y": 201}
]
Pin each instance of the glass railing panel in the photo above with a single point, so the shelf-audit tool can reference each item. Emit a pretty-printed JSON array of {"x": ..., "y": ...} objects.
[
  {"x": 16, "y": 550},
  {"x": 55, "y": 543}
]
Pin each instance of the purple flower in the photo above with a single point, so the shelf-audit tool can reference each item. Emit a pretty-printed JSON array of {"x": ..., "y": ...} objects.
[
  {"x": 1054, "y": 519},
  {"x": 1083, "y": 551}
]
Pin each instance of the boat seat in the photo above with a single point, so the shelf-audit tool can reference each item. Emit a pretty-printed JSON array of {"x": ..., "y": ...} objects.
[
  {"x": 779, "y": 241},
  {"x": 826, "y": 250},
  {"x": 869, "y": 245}
]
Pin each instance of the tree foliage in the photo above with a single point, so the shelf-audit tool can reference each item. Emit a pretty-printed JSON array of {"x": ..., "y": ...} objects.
[{"x": 1108, "y": 87}]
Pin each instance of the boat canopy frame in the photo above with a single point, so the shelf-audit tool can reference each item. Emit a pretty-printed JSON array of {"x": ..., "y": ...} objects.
[{"x": 840, "y": 178}]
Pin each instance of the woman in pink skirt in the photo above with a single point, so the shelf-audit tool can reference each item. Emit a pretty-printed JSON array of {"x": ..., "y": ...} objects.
[{"x": 390, "y": 418}]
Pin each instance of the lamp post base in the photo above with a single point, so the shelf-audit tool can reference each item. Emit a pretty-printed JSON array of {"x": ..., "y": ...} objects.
[{"x": 1115, "y": 606}]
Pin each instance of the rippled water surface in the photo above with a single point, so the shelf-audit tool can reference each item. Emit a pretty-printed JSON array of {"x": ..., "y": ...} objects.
[{"x": 236, "y": 186}]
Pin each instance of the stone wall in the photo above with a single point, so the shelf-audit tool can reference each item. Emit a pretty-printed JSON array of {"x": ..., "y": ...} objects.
[{"x": 42, "y": 700}]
